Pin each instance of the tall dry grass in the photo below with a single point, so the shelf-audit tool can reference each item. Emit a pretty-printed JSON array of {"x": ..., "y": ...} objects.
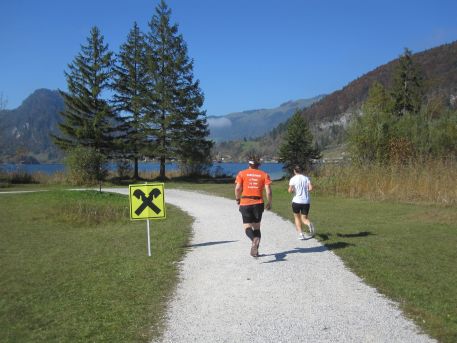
[
  {"x": 58, "y": 178},
  {"x": 431, "y": 181},
  {"x": 152, "y": 175}
]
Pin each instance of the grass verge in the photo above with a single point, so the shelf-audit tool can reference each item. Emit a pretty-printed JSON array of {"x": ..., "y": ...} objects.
[
  {"x": 407, "y": 251},
  {"x": 75, "y": 268}
]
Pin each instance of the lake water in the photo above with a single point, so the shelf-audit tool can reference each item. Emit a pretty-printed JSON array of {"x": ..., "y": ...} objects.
[{"x": 228, "y": 168}]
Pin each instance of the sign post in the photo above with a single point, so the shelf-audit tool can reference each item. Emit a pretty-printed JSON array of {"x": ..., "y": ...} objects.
[
  {"x": 147, "y": 201},
  {"x": 149, "y": 238}
]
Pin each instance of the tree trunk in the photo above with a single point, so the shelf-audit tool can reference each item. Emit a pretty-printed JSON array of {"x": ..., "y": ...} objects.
[
  {"x": 135, "y": 169},
  {"x": 162, "y": 168}
]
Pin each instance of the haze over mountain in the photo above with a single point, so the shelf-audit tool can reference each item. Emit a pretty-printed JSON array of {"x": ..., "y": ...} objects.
[{"x": 254, "y": 123}]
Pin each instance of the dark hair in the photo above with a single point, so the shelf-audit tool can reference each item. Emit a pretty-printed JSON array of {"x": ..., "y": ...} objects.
[
  {"x": 298, "y": 169},
  {"x": 254, "y": 160}
]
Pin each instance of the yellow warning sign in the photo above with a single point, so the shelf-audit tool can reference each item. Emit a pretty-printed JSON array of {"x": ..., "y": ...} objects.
[{"x": 147, "y": 201}]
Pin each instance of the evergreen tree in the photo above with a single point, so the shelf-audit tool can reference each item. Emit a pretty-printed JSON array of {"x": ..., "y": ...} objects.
[
  {"x": 130, "y": 80},
  {"x": 88, "y": 120},
  {"x": 297, "y": 147},
  {"x": 175, "y": 124},
  {"x": 407, "y": 89}
]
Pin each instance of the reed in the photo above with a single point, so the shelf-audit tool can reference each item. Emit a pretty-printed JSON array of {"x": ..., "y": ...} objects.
[
  {"x": 429, "y": 181},
  {"x": 58, "y": 178},
  {"x": 153, "y": 175}
]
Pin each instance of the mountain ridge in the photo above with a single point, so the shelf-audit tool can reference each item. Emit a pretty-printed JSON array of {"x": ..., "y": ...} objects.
[
  {"x": 24, "y": 131},
  {"x": 238, "y": 125},
  {"x": 329, "y": 116}
]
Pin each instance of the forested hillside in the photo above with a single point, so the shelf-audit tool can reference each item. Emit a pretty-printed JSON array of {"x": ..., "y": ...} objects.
[
  {"x": 329, "y": 117},
  {"x": 438, "y": 65}
]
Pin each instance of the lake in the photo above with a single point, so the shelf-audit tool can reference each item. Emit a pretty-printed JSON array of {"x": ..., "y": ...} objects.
[{"x": 226, "y": 168}]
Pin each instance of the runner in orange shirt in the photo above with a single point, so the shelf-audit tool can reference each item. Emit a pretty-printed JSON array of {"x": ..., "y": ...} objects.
[{"x": 249, "y": 195}]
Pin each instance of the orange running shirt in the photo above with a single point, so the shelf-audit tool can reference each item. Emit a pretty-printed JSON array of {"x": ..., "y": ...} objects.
[{"x": 253, "y": 182}]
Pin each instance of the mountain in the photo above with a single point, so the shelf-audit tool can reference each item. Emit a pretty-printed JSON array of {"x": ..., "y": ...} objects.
[
  {"x": 24, "y": 131},
  {"x": 254, "y": 123},
  {"x": 329, "y": 117},
  {"x": 438, "y": 65}
]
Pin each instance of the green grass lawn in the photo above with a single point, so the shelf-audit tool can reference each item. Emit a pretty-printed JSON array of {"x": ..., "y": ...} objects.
[
  {"x": 74, "y": 268},
  {"x": 407, "y": 251}
]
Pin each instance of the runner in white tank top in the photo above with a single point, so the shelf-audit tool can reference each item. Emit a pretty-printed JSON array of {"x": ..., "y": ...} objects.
[{"x": 301, "y": 185}]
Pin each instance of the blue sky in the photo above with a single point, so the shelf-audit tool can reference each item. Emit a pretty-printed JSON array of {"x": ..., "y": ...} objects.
[{"x": 248, "y": 54}]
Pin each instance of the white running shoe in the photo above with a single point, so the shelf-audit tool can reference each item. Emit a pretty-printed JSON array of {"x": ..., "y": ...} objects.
[
  {"x": 301, "y": 236},
  {"x": 312, "y": 229}
]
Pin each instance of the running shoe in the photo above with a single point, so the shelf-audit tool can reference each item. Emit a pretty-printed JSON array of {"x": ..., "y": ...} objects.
[
  {"x": 312, "y": 229},
  {"x": 301, "y": 236}
]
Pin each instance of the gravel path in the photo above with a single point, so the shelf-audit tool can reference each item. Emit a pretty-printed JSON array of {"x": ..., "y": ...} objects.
[{"x": 296, "y": 291}]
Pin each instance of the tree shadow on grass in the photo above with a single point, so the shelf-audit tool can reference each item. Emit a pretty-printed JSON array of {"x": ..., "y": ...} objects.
[
  {"x": 208, "y": 244},
  {"x": 354, "y": 235},
  {"x": 326, "y": 236},
  {"x": 281, "y": 256}
]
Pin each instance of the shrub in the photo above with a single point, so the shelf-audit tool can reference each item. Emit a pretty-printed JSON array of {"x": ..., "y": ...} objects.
[
  {"x": 86, "y": 166},
  {"x": 21, "y": 177},
  {"x": 124, "y": 168}
]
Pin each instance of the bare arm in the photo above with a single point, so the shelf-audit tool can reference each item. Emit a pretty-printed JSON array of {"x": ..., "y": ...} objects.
[
  {"x": 310, "y": 186},
  {"x": 291, "y": 189},
  {"x": 269, "y": 196},
  {"x": 238, "y": 191}
]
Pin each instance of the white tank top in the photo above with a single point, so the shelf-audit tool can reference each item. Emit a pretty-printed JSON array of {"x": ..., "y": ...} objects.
[{"x": 300, "y": 183}]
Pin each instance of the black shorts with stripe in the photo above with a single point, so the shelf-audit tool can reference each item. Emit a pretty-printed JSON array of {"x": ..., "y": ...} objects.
[{"x": 252, "y": 213}]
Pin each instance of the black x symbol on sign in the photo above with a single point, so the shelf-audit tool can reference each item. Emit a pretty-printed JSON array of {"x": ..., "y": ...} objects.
[{"x": 147, "y": 200}]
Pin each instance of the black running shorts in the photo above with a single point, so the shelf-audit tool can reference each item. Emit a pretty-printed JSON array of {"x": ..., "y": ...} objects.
[
  {"x": 300, "y": 208},
  {"x": 252, "y": 213}
]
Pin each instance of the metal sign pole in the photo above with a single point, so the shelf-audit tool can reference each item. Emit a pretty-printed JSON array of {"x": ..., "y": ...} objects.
[{"x": 149, "y": 239}]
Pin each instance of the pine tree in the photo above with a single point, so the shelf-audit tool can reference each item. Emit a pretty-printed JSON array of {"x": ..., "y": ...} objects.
[
  {"x": 130, "y": 80},
  {"x": 173, "y": 118},
  {"x": 88, "y": 120},
  {"x": 407, "y": 89},
  {"x": 297, "y": 147}
]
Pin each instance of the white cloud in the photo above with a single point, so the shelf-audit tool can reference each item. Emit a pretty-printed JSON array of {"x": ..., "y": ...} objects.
[{"x": 219, "y": 123}]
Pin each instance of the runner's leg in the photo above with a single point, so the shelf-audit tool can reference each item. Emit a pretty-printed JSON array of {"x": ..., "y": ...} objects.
[
  {"x": 297, "y": 222},
  {"x": 256, "y": 240},
  {"x": 249, "y": 231},
  {"x": 304, "y": 219}
]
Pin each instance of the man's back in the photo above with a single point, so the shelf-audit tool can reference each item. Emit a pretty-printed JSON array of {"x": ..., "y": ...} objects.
[{"x": 253, "y": 182}]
